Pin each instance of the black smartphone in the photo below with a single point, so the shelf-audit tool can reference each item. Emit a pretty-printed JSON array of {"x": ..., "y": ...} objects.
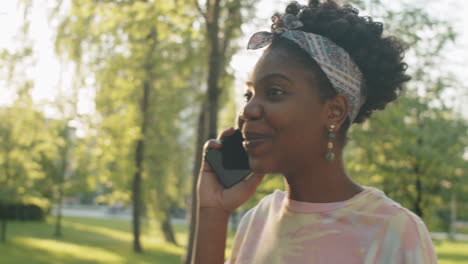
[{"x": 230, "y": 162}]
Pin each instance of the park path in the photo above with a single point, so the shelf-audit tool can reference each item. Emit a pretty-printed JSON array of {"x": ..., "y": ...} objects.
[
  {"x": 103, "y": 212},
  {"x": 95, "y": 212}
]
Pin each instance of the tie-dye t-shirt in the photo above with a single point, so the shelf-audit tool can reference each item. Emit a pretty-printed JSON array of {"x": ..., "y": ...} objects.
[{"x": 368, "y": 228}]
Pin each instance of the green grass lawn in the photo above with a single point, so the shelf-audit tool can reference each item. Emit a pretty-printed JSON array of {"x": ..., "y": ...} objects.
[{"x": 87, "y": 240}]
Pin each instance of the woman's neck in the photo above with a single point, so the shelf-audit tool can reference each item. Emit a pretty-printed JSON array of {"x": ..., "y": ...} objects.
[{"x": 321, "y": 183}]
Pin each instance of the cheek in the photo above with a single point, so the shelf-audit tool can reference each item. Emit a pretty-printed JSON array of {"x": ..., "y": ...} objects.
[{"x": 297, "y": 129}]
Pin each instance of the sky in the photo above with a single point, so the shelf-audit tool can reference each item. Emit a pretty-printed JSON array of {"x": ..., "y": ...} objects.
[{"x": 50, "y": 74}]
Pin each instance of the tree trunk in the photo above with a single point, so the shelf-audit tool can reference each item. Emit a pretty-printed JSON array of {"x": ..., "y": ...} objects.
[
  {"x": 136, "y": 196},
  {"x": 417, "y": 207},
  {"x": 166, "y": 227},
  {"x": 4, "y": 229},
  {"x": 418, "y": 172},
  {"x": 5, "y": 215},
  {"x": 201, "y": 132},
  {"x": 61, "y": 182},
  {"x": 139, "y": 152},
  {"x": 417, "y": 203},
  {"x": 58, "y": 219},
  {"x": 139, "y": 156},
  {"x": 453, "y": 216},
  {"x": 214, "y": 69},
  {"x": 208, "y": 119}
]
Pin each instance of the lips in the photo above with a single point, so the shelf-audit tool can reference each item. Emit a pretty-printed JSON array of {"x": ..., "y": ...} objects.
[
  {"x": 254, "y": 135},
  {"x": 253, "y": 140}
]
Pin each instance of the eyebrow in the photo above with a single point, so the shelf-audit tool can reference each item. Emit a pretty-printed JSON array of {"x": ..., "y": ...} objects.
[{"x": 268, "y": 76}]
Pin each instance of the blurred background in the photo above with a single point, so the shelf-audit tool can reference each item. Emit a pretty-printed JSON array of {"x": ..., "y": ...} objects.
[{"x": 105, "y": 106}]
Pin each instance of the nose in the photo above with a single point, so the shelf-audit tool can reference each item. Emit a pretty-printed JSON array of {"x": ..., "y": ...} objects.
[{"x": 251, "y": 111}]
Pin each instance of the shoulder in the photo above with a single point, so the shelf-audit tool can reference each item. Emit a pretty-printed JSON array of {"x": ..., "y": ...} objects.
[
  {"x": 252, "y": 224},
  {"x": 405, "y": 232},
  {"x": 398, "y": 217},
  {"x": 395, "y": 212}
]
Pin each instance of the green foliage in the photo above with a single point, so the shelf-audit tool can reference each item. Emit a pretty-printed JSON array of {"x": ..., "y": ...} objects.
[
  {"x": 405, "y": 142},
  {"x": 19, "y": 144},
  {"x": 111, "y": 43},
  {"x": 414, "y": 149},
  {"x": 22, "y": 130},
  {"x": 30, "y": 154},
  {"x": 123, "y": 46}
]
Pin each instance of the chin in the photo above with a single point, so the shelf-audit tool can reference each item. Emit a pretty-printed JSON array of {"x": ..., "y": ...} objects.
[{"x": 260, "y": 166}]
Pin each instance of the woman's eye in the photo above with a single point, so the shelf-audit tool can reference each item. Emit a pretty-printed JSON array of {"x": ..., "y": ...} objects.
[
  {"x": 247, "y": 96},
  {"x": 274, "y": 91},
  {"x": 270, "y": 92}
]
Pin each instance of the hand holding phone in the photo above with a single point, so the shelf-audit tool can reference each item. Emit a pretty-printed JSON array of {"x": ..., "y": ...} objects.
[
  {"x": 230, "y": 162},
  {"x": 212, "y": 194}
]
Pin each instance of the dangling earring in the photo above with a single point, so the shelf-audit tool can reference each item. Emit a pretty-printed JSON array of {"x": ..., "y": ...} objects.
[{"x": 330, "y": 156}]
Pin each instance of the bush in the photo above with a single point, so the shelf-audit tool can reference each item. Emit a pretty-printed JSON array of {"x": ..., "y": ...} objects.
[{"x": 21, "y": 212}]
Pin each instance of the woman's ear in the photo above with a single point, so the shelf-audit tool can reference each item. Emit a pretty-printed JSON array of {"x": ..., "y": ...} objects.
[{"x": 336, "y": 111}]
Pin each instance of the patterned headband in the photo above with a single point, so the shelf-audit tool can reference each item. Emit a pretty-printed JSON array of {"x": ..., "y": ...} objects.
[{"x": 336, "y": 63}]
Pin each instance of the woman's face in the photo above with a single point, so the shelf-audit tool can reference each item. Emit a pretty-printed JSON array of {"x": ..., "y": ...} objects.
[{"x": 282, "y": 102}]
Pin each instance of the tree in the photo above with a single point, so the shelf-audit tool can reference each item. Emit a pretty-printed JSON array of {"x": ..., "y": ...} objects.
[
  {"x": 139, "y": 55},
  {"x": 414, "y": 158},
  {"x": 222, "y": 20},
  {"x": 23, "y": 134},
  {"x": 17, "y": 121},
  {"x": 56, "y": 160}
]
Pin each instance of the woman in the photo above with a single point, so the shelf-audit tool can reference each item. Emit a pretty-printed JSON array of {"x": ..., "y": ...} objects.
[{"x": 325, "y": 68}]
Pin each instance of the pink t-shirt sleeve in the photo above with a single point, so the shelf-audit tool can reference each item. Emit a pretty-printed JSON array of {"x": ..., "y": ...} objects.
[
  {"x": 406, "y": 240},
  {"x": 417, "y": 243}
]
